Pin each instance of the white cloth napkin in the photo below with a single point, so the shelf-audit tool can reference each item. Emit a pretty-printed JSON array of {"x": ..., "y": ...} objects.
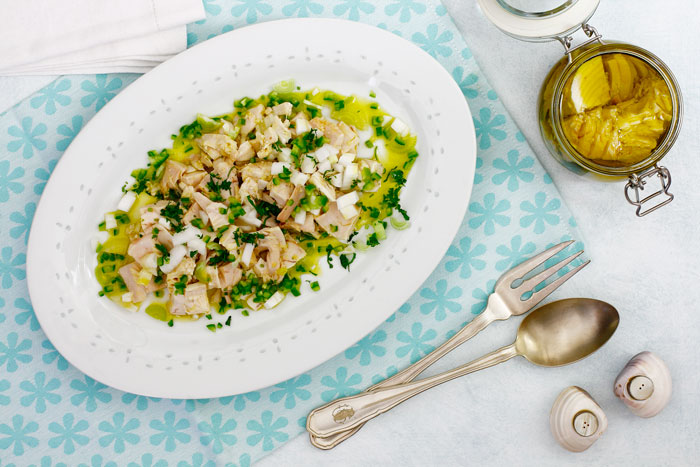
[{"x": 40, "y": 37}]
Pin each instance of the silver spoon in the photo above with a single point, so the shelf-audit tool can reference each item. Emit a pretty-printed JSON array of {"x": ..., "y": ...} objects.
[{"x": 558, "y": 333}]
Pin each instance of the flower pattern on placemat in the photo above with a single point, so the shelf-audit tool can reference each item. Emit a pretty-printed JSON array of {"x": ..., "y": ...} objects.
[{"x": 51, "y": 415}]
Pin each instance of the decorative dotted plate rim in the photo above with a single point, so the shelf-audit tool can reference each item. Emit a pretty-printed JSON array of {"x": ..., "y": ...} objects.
[{"x": 105, "y": 342}]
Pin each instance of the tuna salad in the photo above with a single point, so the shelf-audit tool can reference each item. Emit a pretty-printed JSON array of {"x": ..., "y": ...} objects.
[{"x": 244, "y": 207}]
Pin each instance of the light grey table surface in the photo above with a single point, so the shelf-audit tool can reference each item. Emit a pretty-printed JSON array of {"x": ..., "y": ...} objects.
[{"x": 648, "y": 268}]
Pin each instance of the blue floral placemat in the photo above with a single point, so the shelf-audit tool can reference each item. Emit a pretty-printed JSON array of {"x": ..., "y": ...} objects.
[{"x": 53, "y": 415}]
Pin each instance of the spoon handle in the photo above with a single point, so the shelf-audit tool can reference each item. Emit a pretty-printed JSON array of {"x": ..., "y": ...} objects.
[
  {"x": 476, "y": 325},
  {"x": 348, "y": 412}
]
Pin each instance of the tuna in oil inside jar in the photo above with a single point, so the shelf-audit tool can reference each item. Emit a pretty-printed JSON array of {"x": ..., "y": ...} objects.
[{"x": 616, "y": 109}]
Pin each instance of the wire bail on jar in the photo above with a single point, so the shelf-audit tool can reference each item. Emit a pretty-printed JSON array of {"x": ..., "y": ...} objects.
[
  {"x": 638, "y": 181},
  {"x": 591, "y": 32}
]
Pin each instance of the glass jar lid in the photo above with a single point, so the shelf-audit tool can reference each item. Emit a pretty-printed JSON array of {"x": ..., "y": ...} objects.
[{"x": 538, "y": 20}]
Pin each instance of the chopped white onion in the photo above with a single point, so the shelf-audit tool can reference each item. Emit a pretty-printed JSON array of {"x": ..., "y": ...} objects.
[
  {"x": 275, "y": 300},
  {"x": 262, "y": 184},
  {"x": 400, "y": 127},
  {"x": 337, "y": 180},
  {"x": 346, "y": 159},
  {"x": 308, "y": 165},
  {"x": 150, "y": 262},
  {"x": 278, "y": 167},
  {"x": 176, "y": 255},
  {"x": 315, "y": 212},
  {"x": 198, "y": 245},
  {"x": 144, "y": 277},
  {"x": 349, "y": 175},
  {"x": 251, "y": 219},
  {"x": 324, "y": 166},
  {"x": 98, "y": 238},
  {"x": 300, "y": 217},
  {"x": 164, "y": 222},
  {"x": 110, "y": 221},
  {"x": 322, "y": 153},
  {"x": 299, "y": 178},
  {"x": 247, "y": 253},
  {"x": 348, "y": 199},
  {"x": 284, "y": 155},
  {"x": 127, "y": 201},
  {"x": 349, "y": 211},
  {"x": 190, "y": 233},
  {"x": 127, "y": 297},
  {"x": 302, "y": 126}
]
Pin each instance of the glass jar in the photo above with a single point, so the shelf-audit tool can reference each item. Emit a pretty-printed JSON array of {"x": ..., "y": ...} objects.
[{"x": 558, "y": 20}]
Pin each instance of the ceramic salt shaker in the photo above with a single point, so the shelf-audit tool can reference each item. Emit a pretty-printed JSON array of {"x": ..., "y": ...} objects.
[
  {"x": 644, "y": 384},
  {"x": 576, "y": 420}
]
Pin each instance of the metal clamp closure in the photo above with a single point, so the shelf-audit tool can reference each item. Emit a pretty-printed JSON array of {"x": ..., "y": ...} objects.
[
  {"x": 638, "y": 181},
  {"x": 590, "y": 32}
]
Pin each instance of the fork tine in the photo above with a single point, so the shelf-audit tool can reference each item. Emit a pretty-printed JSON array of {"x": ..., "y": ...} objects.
[
  {"x": 544, "y": 275},
  {"x": 526, "y": 266},
  {"x": 540, "y": 295}
]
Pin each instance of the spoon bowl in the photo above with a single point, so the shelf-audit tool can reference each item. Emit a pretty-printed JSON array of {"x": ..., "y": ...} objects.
[{"x": 566, "y": 331}]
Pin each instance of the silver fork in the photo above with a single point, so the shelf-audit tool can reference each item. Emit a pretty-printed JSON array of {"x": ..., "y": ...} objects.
[{"x": 504, "y": 302}]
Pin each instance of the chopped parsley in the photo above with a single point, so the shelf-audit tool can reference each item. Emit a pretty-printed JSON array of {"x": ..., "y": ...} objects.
[
  {"x": 216, "y": 185},
  {"x": 265, "y": 209},
  {"x": 235, "y": 210},
  {"x": 243, "y": 237},
  {"x": 173, "y": 213},
  {"x": 180, "y": 285},
  {"x": 346, "y": 260},
  {"x": 372, "y": 240},
  {"x": 191, "y": 131}
]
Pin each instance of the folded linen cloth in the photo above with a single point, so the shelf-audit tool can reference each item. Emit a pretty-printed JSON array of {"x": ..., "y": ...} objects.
[{"x": 92, "y": 36}]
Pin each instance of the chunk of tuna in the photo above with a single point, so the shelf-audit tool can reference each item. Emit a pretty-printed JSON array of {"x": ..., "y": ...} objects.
[
  {"x": 129, "y": 274},
  {"x": 284, "y": 108},
  {"x": 323, "y": 186},
  {"x": 333, "y": 222},
  {"x": 229, "y": 275},
  {"x": 297, "y": 196},
  {"x": 216, "y": 217},
  {"x": 171, "y": 175},
  {"x": 257, "y": 171},
  {"x": 245, "y": 152},
  {"x": 196, "y": 300},
  {"x": 292, "y": 254},
  {"x": 216, "y": 145},
  {"x": 281, "y": 193}
]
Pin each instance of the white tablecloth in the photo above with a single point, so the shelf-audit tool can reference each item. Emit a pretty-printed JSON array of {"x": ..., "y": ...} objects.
[{"x": 648, "y": 268}]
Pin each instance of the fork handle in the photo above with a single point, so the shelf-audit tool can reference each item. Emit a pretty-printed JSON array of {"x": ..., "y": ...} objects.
[
  {"x": 348, "y": 412},
  {"x": 410, "y": 373}
]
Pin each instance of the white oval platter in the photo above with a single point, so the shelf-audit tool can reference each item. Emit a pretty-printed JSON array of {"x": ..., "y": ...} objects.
[{"x": 135, "y": 353}]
